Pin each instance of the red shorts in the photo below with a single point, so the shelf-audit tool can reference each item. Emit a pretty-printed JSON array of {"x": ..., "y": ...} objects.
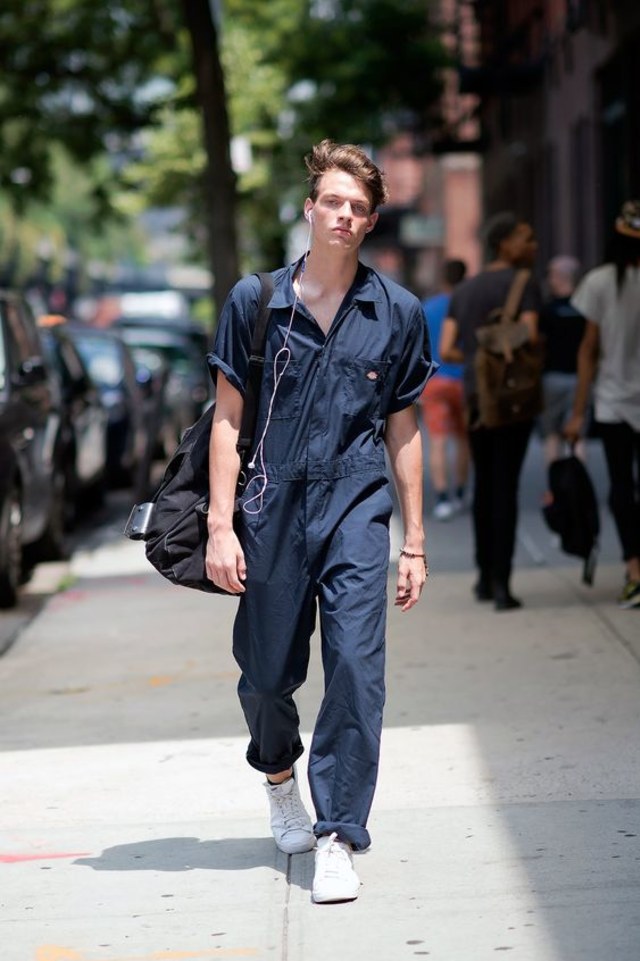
[{"x": 443, "y": 407}]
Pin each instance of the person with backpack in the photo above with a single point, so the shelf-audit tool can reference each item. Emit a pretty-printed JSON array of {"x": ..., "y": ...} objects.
[
  {"x": 609, "y": 359},
  {"x": 497, "y": 452},
  {"x": 346, "y": 355}
]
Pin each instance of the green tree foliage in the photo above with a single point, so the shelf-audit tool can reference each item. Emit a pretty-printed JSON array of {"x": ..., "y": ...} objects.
[
  {"x": 91, "y": 76},
  {"x": 172, "y": 166},
  {"x": 367, "y": 66},
  {"x": 76, "y": 72},
  {"x": 302, "y": 70},
  {"x": 144, "y": 76},
  {"x": 64, "y": 225}
]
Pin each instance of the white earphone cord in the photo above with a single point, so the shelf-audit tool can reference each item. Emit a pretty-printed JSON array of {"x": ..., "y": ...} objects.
[{"x": 283, "y": 354}]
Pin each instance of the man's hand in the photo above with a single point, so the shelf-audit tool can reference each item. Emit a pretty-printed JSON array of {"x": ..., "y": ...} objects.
[
  {"x": 572, "y": 430},
  {"x": 412, "y": 574},
  {"x": 588, "y": 356},
  {"x": 224, "y": 562}
]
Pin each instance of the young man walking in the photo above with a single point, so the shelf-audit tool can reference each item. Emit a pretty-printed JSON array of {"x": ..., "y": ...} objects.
[{"x": 346, "y": 357}]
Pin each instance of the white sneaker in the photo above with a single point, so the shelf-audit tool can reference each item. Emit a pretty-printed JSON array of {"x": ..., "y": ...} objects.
[
  {"x": 334, "y": 878},
  {"x": 443, "y": 511},
  {"x": 290, "y": 824}
]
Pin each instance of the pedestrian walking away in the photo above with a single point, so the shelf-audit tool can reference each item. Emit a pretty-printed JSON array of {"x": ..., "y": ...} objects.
[
  {"x": 347, "y": 355},
  {"x": 609, "y": 358},
  {"x": 561, "y": 327},
  {"x": 497, "y": 452},
  {"x": 443, "y": 409}
]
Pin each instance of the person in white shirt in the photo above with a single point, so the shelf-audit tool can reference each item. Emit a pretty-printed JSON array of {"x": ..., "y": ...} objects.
[{"x": 609, "y": 359}]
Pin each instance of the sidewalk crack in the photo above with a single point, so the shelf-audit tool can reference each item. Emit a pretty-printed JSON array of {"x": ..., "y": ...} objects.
[
  {"x": 612, "y": 630},
  {"x": 285, "y": 915}
]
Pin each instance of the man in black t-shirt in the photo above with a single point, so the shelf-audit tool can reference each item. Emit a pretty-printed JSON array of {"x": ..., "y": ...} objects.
[{"x": 498, "y": 452}]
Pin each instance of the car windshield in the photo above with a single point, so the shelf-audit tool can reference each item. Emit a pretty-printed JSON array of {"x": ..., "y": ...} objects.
[
  {"x": 178, "y": 357},
  {"x": 102, "y": 357}
]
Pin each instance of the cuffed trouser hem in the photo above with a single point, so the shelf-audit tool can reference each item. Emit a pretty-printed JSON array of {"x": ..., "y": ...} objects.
[
  {"x": 282, "y": 765},
  {"x": 354, "y": 834}
]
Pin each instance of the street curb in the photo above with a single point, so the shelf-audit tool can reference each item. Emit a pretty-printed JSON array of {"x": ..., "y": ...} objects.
[{"x": 46, "y": 580}]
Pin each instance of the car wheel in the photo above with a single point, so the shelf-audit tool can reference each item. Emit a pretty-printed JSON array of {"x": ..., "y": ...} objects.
[
  {"x": 10, "y": 547},
  {"x": 52, "y": 546}
]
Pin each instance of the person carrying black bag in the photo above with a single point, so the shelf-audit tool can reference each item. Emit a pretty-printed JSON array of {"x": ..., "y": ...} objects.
[
  {"x": 497, "y": 451},
  {"x": 347, "y": 354},
  {"x": 609, "y": 360}
]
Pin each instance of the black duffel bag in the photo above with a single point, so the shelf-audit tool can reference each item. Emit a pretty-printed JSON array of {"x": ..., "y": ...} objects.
[
  {"x": 174, "y": 524},
  {"x": 571, "y": 511}
]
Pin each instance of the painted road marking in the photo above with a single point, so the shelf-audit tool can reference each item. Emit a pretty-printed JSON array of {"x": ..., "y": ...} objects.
[
  {"x": 53, "y": 952},
  {"x": 16, "y": 858}
]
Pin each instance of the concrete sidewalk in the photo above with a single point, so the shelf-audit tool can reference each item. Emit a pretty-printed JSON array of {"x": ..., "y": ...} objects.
[{"x": 507, "y": 817}]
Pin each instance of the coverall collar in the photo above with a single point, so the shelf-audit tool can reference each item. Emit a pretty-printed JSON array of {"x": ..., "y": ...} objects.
[{"x": 365, "y": 287}]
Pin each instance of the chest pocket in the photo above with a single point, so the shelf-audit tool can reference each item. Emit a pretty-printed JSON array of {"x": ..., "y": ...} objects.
[
  {"x": 364, "y": 387},
  {"x": 286, "y": 404}
]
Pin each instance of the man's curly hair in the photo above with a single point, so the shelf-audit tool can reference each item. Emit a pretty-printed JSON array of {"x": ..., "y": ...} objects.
[{"x": 328, "y": 155}]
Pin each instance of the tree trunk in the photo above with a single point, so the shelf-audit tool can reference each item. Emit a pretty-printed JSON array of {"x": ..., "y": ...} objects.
[{"x": 220, "y": 185}]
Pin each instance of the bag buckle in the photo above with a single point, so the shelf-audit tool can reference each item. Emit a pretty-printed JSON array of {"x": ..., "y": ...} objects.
[{"x": 139, "y": 521}]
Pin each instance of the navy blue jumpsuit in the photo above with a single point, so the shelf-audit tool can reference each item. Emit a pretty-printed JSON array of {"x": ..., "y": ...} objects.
[{"x": 322, "y": 535}]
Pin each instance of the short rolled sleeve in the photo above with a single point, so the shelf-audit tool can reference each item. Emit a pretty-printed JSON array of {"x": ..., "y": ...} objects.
[
  {"x": 232, "y": 345},
  {"x": 588, "y": 297},
  {"x": 415, "y": 364}
]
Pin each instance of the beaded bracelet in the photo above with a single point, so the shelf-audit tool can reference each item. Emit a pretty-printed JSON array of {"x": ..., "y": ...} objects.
[{"x": 408, "y": 554}]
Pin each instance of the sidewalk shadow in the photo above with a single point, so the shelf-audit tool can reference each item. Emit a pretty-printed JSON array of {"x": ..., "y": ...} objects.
[{"x": 190, "y": 854}]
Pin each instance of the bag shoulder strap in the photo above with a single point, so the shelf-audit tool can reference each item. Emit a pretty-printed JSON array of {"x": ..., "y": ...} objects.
[
  {"x": 514, "y": 297},
  {"x": 256, "y": 366}
]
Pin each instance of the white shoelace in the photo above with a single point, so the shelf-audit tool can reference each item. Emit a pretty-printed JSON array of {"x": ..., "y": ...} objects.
[
  {"x": 334, "y": 858},
  {"x": 289, "y": 807}
]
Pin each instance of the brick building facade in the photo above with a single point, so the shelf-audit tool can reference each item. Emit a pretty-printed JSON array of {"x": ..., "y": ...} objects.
[
  {"x": 559, "y": 86},
  {"x": 435, "y": 205}
]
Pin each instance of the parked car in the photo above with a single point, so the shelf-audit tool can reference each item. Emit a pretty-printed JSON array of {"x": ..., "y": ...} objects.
[
  {"x": 112, "y": 367},
  {"x": 152, "y": 374},
  {"x": 32, "y": 480},
  {"x": 84, "y": 418},
  {"x": 181, "y": 351}
]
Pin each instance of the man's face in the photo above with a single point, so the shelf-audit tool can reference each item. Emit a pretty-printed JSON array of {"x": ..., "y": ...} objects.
[
  {"x": 341, "y": 213},
  {"x": 521, "y": 247}
]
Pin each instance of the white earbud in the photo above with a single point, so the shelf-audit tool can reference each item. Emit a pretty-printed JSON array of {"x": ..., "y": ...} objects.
[{"x": 309, "y": 216}]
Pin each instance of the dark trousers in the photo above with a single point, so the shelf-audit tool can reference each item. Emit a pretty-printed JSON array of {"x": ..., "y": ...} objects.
[
  {"x": 622, "y": 451},
  {"x": 498, "y": 454}
]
